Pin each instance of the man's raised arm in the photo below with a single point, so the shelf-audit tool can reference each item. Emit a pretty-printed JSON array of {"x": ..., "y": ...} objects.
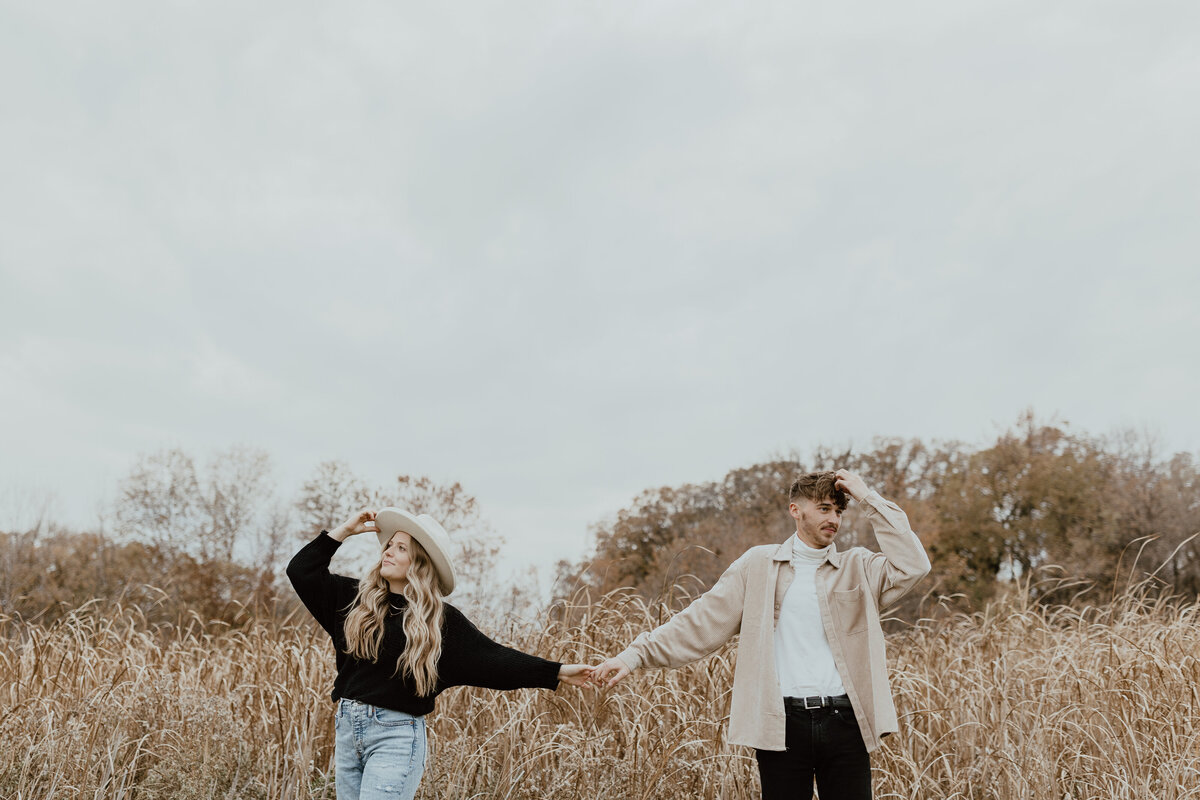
[{"x": 903, "y": 562}]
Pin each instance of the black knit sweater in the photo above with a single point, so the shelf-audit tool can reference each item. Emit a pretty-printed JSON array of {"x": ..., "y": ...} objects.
[{"x": 468, "y": 657}]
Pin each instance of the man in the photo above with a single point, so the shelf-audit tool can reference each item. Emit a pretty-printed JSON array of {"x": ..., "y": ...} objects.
[{"x": 810, "y": 690}]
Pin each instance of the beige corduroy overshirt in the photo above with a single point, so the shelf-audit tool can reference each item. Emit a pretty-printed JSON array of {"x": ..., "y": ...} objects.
[{"x": 852, "y": 588}]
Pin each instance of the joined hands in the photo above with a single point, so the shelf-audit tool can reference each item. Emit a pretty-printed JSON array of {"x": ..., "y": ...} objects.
[{"x": 610, "y": 673}]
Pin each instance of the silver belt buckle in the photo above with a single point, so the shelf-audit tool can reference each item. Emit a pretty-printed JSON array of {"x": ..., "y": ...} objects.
[{"x": 820, "y": 703}]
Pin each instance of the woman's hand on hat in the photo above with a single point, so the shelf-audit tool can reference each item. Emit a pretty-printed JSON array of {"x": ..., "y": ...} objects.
[
  {"x": 361, "y": 522},
  {"x": 575, "y": 674}
]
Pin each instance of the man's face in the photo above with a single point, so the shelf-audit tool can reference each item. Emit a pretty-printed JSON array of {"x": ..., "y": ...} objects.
[{"x": 816, "y": 522}]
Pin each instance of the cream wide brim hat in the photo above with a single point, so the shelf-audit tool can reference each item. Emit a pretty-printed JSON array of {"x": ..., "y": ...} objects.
[{"x": 426, "y": 530}]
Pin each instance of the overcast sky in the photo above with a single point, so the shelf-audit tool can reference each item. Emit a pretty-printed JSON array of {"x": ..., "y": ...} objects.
[{"x": 564, "y": 252}]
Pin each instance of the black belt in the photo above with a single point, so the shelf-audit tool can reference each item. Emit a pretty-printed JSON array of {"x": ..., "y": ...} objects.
[{"x": 816, "y": 701}]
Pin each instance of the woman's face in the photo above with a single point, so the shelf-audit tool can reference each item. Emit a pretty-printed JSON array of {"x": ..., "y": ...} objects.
[{"x": 397, "y": 557}]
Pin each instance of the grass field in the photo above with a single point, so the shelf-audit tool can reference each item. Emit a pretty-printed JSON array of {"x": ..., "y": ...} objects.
[{"x": 1018, "y": 701}]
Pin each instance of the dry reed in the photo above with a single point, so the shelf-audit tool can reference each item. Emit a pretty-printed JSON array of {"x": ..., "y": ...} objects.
[{"x": 1018, "y": 701}]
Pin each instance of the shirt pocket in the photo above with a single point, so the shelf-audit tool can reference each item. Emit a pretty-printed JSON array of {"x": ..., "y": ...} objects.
[{"x": 850, "y": 610}]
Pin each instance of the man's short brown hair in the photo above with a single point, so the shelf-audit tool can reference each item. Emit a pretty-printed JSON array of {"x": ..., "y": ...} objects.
[{"x": 818, "y": 486}]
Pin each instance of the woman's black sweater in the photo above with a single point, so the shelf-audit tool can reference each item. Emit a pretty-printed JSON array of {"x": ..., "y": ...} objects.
[{"x": 468, "y": 657}]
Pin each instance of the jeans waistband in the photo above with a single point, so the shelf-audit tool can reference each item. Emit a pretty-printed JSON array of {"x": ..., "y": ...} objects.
[{"x": 350, "y": 705}]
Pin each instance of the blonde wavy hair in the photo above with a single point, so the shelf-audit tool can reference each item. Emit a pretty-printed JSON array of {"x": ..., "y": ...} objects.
[{"x": 422, "y": 620}]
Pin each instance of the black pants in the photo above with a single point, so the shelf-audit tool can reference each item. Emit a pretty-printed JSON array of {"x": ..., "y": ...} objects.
[{"x": 824, "y": 743}]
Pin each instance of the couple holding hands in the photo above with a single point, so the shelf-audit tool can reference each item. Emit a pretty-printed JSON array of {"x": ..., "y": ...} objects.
[{"x": 810, "y": 689}]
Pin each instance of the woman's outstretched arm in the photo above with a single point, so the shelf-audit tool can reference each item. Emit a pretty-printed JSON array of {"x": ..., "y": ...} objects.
[{"x": 470, "y": 658}]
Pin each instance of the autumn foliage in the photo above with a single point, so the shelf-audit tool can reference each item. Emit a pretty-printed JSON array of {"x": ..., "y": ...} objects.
[{"x": 1110, "y": 511}]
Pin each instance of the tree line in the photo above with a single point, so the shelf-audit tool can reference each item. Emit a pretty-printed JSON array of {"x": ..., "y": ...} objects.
[
  {"x": 1055, "y": 512},
  {"x": 1044, "y": 508},
  {"x": 187, "y": 538}
]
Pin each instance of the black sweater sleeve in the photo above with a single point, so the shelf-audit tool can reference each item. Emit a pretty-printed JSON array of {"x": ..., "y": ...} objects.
[
  {"x": 322, "y": 592},
  {"x": 471, "y": 659}
]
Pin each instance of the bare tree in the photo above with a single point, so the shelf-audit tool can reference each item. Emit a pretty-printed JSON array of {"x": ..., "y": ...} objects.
[
  {"x": 269, "y": 544},
  {"x": 236, "y": 486},
  {"x": 166, "y": 500},
  {"x": 160, "y": 500},
  {"x": 332, "y": 494}
]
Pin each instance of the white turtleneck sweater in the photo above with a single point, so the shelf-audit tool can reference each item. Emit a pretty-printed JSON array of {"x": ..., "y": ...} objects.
[{"x": 803, "y": 659}]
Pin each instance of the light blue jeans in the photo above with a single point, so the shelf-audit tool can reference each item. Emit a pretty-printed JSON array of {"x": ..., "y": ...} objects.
[{"x": 379, "y": 754}]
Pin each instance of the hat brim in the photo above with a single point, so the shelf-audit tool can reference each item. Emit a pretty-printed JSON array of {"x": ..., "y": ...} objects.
[{"x": 424, "y": 529}]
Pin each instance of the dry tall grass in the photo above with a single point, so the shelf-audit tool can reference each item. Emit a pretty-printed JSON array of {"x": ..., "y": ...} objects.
[{"x": 1019, "y": 701}]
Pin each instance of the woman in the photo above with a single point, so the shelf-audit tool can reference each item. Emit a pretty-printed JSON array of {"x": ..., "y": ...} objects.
[{"x": 398, "y": 646}]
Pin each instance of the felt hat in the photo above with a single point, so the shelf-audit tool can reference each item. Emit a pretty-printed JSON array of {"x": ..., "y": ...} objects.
[{"x": 426, "y": 530}]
